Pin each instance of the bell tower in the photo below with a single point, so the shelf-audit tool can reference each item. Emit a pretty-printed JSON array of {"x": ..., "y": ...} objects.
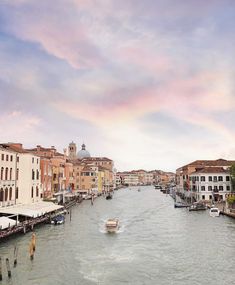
[{"x": 72, "y": 150}]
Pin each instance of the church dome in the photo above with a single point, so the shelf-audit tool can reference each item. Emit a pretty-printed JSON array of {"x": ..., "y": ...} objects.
[{"x": 83, "y": 152}]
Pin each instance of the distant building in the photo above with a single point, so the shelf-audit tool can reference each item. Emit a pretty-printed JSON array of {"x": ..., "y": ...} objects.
[{"x": 83, "y": 153}]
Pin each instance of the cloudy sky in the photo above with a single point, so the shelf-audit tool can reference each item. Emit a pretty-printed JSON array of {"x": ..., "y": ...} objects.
[{"x": 149, "y": 83}]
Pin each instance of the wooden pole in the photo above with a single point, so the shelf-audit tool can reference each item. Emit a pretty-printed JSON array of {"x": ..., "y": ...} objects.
[
  {"x": 15, "y": 255},
  {"x": 0, "y": 269},
  {"x": 33, "y": 240},
  {"x": 31, "y": 251},
  {"x": 70, "y": 215},
  {"x": 8, "y": 268}
]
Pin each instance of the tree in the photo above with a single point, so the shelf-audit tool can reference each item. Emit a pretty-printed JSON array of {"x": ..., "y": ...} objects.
[{"x": 232, "y": 176}]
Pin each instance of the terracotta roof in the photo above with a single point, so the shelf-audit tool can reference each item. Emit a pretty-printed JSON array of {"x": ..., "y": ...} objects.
[
  {"x": 211, "y": 170},
  {"x": 207, "y": 163},
  {"x": 13, "y": 148},
  {"x": 96, "y": 159}
]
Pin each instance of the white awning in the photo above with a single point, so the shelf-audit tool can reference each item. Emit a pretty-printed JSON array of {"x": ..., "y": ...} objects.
[
  {"x": 6, "y": 222},
  {"x": 31, "y": 210}
]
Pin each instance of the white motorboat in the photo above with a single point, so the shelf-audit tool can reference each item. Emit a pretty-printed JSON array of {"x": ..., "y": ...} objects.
[
  {"x": 214, "y": 212},
  {"x": 112, "y": 225}
]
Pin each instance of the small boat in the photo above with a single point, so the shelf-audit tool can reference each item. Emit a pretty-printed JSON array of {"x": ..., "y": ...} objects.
[
  {"x": 214, "y": 212},
  {"x": 109, "y": 196},
  {"x": 112, "y": 225},
  {"x": 180, "y": 205},
  {"x": 197, "y": 207},
  {"x": 58, "y": 220}
]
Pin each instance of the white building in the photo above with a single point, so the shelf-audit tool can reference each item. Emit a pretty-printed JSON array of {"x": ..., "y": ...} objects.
[
  {"x": 129, "y": 178},
  {"x": 19, "y": 176},
  {"x": 8, "y": 170},
  {"x": 210, "y": 183}
]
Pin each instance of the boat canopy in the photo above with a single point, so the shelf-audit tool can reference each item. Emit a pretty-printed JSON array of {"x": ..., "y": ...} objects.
[
  {"x": 6, "y": 222},
  {"x": 31, "y": 210}
]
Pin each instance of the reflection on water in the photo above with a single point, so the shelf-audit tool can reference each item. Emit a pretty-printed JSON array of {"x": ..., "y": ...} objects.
[{"x": 156, "y": 244}]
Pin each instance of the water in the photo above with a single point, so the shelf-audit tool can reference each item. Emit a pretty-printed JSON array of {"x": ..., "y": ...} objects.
[{"x": 156, "y": 244}]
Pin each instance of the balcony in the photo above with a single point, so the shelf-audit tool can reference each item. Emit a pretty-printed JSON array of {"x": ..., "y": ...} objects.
[{"x": 7, "y": 183}]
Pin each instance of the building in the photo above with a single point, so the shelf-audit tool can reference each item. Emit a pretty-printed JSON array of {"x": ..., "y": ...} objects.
[
  {"x": 183, "y": 173},
  {"x": 20, "y": 171},
  {"x": 210, "y": 183}
]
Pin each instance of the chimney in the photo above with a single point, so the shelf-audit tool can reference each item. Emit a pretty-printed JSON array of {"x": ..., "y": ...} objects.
[{"x": 38, "y": 147}]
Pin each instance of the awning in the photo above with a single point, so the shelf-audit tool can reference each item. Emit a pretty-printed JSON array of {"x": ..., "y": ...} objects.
[
  {"x": 31, "y": 210},
  {"x": 6, "y": 222}
]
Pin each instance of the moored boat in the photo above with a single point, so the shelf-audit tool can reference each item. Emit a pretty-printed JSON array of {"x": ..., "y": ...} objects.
[
  {"x": 180, "y": 205},
  {"x": 109, "y": 196},
  {"x": 112, "y": 225},
  {"x": 58, "y": 220},
  {"x": 197, "y": 207},
  {"x": 214, "y": 212}
]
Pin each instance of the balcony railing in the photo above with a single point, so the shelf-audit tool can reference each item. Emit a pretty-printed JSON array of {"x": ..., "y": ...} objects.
[{"x": 7, "y": 183}]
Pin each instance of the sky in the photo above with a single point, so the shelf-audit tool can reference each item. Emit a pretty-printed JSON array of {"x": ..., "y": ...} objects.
[{"x": 149, "y": 84}]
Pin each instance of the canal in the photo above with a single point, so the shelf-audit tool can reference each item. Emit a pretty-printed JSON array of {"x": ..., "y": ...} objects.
[{"x": 156, "y": 244}]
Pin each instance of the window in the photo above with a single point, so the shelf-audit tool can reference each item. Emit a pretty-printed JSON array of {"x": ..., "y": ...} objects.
[
  {"x": 210, "y": 178},
  {"x": 220, "y": 178},
  {"x": 203, "y": 197},
  {"x": 203, "y": 188},
  {"x": 37, "y": 174},
  {"x": 10, "y": 173},
  {"x": 17, "y": 192},
  {"x": 227, "y": 178},
  {"x": 32, "y": 159},
  {"x": 37, "y": 191},
  {"x": 221, "y": 188},
  {"x": 2, "y": 156},
  {"x": 17, "y": 173},
  {"x": 37, "y": 160},
  {"x": 11, "y": 157},
  {"x": 10, "y": 194},
  {"x": 215, "y": 178},
  {"x": 203, "y": 178},
  {"x": 7, "y": 157},
  {"x": 32, "y": 174},
  {"x": 210, "y": 197},
  {"x": 54, "y": 176},
  {"x": 209, "y": 188},
  {"x": 1, "y": 195},
  {"x": 6, "y": 194},
  {"x": 2, "y": 169},
  {"x": 228, "y": 188},
  {"x": 6, "y": 173},
  {"x": 32, "y": 192},
  {"x": 17, "y": 159}
]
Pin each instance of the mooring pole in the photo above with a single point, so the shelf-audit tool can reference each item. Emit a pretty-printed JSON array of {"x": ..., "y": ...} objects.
[
  {"x": 0, "y": 269},
  {"x": 8, "y": 268},
  {"x": 15, "y": 255}
]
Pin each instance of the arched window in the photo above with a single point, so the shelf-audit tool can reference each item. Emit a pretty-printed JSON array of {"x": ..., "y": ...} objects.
[
  {"x": 10, "y": 193},
  {"x": 17, "y": 192},
  {"x": 2, "y": 170},
  {"x": 1, "y": 195},
  {"x": 6, "y": 173},
  {"x": 10, "y": 173},
  {"x": 6, "y": 194}
]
